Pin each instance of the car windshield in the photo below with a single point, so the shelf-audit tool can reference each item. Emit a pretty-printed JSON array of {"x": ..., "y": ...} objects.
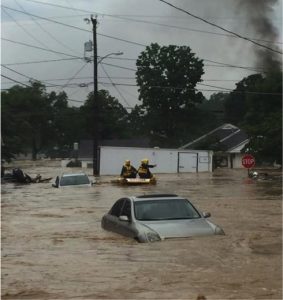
[
  {"x": 167, "y": 209},
  {"x": 74, "y": 180}
]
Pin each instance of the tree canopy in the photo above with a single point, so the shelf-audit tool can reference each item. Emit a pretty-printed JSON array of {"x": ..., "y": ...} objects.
[
  {"x": 26, "y": 119},
  {"x": 111, "y": 116},
  {"x": 37, "y": 121},
  {"x": 167, "y": 77},
  {"x": 262, "y": 119}
]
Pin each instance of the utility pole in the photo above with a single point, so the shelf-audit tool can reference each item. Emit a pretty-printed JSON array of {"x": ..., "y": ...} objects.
[{"x": 95, "y": 103}]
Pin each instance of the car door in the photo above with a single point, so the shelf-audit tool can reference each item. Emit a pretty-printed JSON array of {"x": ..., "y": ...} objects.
[
  {"x": 111, "y": 219},
  {"x": 126, "y": 228}
]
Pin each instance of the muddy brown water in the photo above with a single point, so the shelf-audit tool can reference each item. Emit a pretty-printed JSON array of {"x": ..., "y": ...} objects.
[{"x": 53, "y": 246}]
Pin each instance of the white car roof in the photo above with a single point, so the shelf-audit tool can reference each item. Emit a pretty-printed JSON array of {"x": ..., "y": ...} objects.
[{"x": 74, "y": 174}]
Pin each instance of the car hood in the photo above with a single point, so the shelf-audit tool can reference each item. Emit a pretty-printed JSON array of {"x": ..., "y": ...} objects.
[{"x": 180, "y": 228}]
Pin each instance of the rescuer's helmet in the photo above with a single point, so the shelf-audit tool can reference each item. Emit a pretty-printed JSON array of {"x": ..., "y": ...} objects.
[{"x": 145, "y": 161}]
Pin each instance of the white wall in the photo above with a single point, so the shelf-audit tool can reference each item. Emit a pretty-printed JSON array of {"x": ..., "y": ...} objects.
[
  {"x": 112, "y": 159},
  {"x": 237, "y": 161}
]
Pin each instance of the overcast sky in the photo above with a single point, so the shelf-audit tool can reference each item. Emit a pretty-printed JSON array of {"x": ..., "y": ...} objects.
[{"x": 44, "y": 40}]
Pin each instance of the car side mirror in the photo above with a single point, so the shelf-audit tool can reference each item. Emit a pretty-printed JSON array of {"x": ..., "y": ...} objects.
[
  {"x": 124, "y": 218},
  {"x": 206, "y": 214}
]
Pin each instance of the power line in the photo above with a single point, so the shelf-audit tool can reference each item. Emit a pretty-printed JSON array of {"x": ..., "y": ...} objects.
[
  {"x": 125, "y": 17},
  {"x": 46, "y": 31},
  {"x": 123, "y": 40},
  {"x": 41, "y": 61},
  {"x": 131, "y": 69},
  {"x": 16, "y": 72},
  {"x": 220, "y": 27},
  {"x": 222, "y": 65},
  {"x": 120, "y": 67},
  {"x": 14, "y": 80},
  {"x": 12, "y": 70},
  {"x": 129, "y": 59},
  {"x": 121, "y": 95},
  {"x": 214, "y": 86},
  {"x": 40, "y": 48},
  {"x": 74, "y": 76},
  {"x": 188, "y": 29},
  {"x": 125, "y": 77},
  {"x": 205, "y": 90},
  {"x": 26, "y": 31},
  {"x": 75, "y": 27},
  {"x": 46, "y": 19},
  {"x": 220, "y": 89}
]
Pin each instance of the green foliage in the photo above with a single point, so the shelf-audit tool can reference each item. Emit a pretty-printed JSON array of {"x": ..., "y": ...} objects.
[
  {"x": 136, "y": 121},
  {"x": 256, "y": 106},
  {"x": 67, "y": 125},
  {"x": 167, "y": 77},
  {"x": 34, "y": 120},
  {"x": 27, "y": 116},
  {"x": 111, "y": 116},
  {"x": 236, "y": 102}
]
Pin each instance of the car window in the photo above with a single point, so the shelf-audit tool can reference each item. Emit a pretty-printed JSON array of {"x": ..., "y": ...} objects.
[
  {"x": 74, "y": 180},
  {"x": 117, "y": 207},
  {"x": 167, "y": 209},
  {"x": 126, "y": 211}
]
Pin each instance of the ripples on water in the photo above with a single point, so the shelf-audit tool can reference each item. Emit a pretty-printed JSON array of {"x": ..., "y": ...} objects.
[{"x": 53, "y": 245}]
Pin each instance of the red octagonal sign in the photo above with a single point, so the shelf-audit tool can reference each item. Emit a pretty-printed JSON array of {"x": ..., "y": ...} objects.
[{"x": 248, "y": 161}]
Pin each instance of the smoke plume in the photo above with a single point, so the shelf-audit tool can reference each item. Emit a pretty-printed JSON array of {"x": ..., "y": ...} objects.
[{"x": 259, "y": 15}]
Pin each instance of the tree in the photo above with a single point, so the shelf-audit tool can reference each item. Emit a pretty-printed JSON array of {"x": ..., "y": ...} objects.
[
  {"x": 27, "y": 121},
  {"x": 263, "y": 118},
  {"x": 136, "y": 121},
  {"x": 236, "y": 102},
  {"x": 167, "y": 77},
  {"x": 112, "y": 116},
  {"x": 12, "y": 141},
  {"x": 210, "y": 114},
  {"x": 67, "y": 123}
]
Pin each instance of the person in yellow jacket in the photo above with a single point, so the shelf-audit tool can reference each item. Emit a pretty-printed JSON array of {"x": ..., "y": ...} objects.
[
  {"x": 143, "y": 169},
  {"x": 128, "y": 171}
]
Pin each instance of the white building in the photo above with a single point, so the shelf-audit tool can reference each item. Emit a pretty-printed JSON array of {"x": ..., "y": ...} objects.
[{"x": 167, "y": 160}]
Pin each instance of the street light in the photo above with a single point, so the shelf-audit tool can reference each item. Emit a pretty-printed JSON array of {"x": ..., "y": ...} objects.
[{"x": 114, "y": 53}]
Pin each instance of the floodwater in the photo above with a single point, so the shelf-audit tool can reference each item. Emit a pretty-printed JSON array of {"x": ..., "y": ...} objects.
[{"x": 53, "y": 246}]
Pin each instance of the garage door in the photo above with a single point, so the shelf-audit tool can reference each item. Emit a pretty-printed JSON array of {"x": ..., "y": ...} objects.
[{"x": 187, "y": 162}]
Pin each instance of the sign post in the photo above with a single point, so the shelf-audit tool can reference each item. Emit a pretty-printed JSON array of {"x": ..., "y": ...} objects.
[{"x": 248, "y": 161}]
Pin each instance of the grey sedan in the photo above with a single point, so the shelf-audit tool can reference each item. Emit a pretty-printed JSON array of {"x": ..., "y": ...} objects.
[{"x": 151, "y": 218}]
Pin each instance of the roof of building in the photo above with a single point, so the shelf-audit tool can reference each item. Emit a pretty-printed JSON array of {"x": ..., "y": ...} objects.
[{"x": 227, "y": 136}]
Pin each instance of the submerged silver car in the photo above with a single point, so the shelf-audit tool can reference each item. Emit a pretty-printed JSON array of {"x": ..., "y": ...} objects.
[
  {"x": 151, "y": 218},
  {"x": 72, "y": 179}
]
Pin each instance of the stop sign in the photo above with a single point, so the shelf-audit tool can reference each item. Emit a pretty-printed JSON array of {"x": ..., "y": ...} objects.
[{"x": 248, "y": 161}]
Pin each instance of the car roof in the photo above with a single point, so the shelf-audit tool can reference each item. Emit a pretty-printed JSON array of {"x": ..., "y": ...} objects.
[
  {"x": 154, "y": 197},
  {"x": 73, "y": 174}
]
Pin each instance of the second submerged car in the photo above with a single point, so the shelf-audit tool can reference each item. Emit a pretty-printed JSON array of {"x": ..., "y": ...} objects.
[{"x": 72, "y": 179}]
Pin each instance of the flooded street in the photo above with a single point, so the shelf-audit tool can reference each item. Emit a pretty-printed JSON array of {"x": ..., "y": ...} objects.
[{"x": 53, "y": 246}]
